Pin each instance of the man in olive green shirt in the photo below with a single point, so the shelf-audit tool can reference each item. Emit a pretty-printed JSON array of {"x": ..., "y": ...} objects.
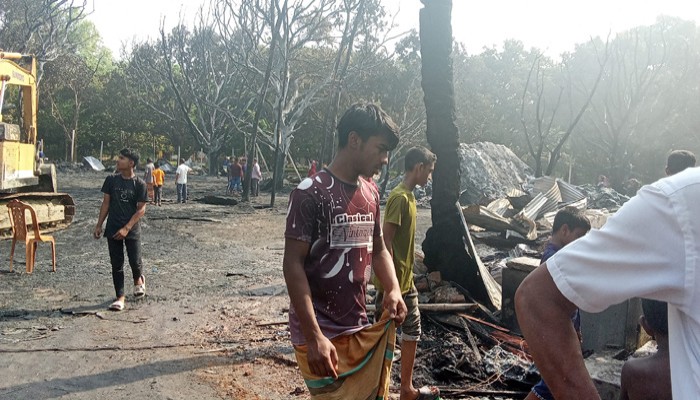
[{"x": 399, "y": 236}]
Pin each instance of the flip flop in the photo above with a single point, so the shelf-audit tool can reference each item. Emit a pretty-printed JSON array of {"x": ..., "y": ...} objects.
[
  {"x": 140, "y": 290},
  {"x": 428, "y": 393},
  {"x": 118, "y": 305}
]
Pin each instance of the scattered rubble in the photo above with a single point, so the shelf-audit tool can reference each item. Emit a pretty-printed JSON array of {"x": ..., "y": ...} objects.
[
  {"x": 489, "y": 171},
  {"x": 467, "y": 350},
  {"x": 479, "y": 351},
  {"x": 464, "y": 350},
  {"x": 603, "y": 197},
  {"x": 529, "y": 214},
  {"x": 492, "y": 173}
]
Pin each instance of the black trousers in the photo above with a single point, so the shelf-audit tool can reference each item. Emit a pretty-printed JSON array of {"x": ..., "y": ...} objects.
[
  {"x": 158, "y": 192},
  {"x": 116, "y": 257},
  {"x": 255, "y": 187}
]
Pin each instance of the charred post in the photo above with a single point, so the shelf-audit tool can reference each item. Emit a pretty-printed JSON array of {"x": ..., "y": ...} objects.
[{"x": 445, "y": 244}]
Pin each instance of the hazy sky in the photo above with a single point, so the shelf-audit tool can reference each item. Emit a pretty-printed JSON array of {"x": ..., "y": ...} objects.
[{"x": 554, "y": 26}]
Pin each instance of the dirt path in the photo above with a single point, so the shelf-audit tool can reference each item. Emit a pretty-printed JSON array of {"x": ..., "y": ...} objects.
[{"x": 193, "y": 337}]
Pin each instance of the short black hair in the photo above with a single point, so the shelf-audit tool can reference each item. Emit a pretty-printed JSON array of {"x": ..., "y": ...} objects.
[
  {"x": 678, "y": 160},
  {"x": 571, "y": 217},
  {"x": 418, "y": 155},
  {"x": 131, "y": 155},
  {"x": 656, "y": 314},
  {"x": 182, "y": 161},
  {"x": 148, "y": 160},
  {"x": 367, "y": 120}
]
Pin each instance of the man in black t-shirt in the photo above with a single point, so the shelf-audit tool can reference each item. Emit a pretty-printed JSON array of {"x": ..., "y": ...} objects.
[{"x": 124, "y": 201}]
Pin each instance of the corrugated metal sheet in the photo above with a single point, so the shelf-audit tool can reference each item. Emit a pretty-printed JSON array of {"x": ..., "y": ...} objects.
[
  {"x": 534, "y": 207},
  {"x": 499, "y": 206},
  {"x": 558, "y": 194},
  {"x": 93, "y": 163},
  {"x": 569, "y": 193},
  {"x": 167, "y": 167}
]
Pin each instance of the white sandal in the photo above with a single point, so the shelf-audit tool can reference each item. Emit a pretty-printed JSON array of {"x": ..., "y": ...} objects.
[
  {"x": 140, "y": 290},
  {"x": 118, "y": 305}
]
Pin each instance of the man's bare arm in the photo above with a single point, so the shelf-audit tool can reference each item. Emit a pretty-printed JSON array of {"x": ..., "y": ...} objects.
[
  {"x": 322, "y": 356},
  {"x": 384, "y": 269},
  {"x": 389, "y": 231},
  {"x": 104, "y": 210},
  {"x": 544, "y": 316}
]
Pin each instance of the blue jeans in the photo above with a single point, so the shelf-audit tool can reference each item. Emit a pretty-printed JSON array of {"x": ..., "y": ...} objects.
[
  {"x": 235, "y": 184},
  {"x": 182, "y": 193}
]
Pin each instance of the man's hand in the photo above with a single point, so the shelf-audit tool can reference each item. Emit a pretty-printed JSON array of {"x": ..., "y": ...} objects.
[
  {"x": 394, "y": 305},
  {"x": 322, "y": 357},
  {"x": 121, "y": 234},
  {"x": 98, "y": 232}
]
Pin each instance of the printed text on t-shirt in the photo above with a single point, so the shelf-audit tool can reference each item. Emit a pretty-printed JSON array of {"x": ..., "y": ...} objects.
[{"x": 352, "y": 231}]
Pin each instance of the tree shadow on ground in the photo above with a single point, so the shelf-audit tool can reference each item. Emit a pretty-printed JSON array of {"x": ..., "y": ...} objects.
[{"x": 60, "y": 387}]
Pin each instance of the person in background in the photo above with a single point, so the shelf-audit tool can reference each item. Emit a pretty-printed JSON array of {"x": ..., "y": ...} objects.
[
  {"x": 312, "y": 169},
  {"x": 244, "y": 168},
  {"x": 158, "y": 181},
  {"x": 569, "y": 225},
  {"x": 181, "y": 181},
  {"x": 225, "y": 165},
  {"x": 678, "y": 160},
  {"x": 235, "y": 174},
  {"x": 255, "y": 178},
  {"x": 649, "y": 378},
  {"x": 148, "y": 178},
  {"x": 399, "y": 230}
]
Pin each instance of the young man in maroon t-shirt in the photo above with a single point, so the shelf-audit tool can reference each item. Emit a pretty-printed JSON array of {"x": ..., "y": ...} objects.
[{"x": 333, "y": 239}]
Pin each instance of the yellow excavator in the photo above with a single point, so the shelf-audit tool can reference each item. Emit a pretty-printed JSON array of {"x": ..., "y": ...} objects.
[{"x": 23, "y": 174}]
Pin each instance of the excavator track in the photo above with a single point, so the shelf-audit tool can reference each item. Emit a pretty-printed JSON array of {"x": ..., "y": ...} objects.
[{"x": 55, "y": 211}]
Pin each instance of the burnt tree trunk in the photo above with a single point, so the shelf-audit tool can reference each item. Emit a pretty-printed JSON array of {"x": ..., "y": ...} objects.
[
  {"x": 445, "y": 243},
  {"x": 438, "y": 89}
]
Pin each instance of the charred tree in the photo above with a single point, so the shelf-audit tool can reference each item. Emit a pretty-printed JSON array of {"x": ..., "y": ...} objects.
[{"x": 445, "y": 245}]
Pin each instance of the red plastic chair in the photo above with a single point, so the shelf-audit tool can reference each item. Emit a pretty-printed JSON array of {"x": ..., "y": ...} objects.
[{"x": 31, "y": 238}]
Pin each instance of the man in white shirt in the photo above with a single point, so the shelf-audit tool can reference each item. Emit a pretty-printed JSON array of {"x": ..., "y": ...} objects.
[
  {"x": 181, "y": 181},
  {"x": 651, "y": 249},
  {"x": 255, "y": 178}
]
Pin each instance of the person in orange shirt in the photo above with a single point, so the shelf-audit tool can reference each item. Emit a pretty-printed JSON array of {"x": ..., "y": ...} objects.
[{"x": 158, "y": 179}]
